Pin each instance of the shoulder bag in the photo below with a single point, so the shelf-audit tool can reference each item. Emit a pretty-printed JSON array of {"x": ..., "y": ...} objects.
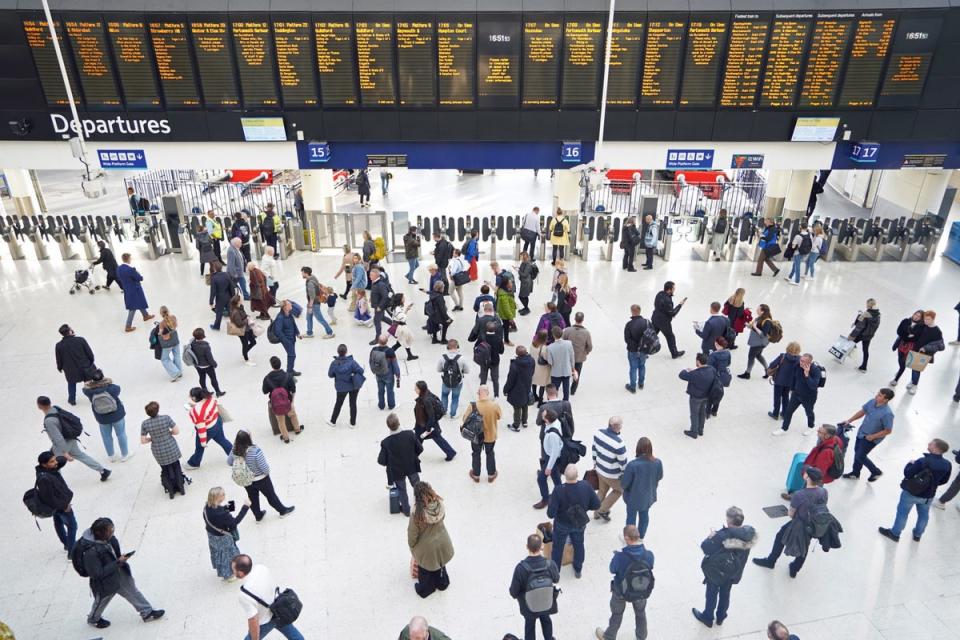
[{"x": 235, "y": 534}]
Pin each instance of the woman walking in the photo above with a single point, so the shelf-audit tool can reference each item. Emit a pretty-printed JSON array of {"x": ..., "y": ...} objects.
[
  {"x": 363, "y": 187},
  {"x": 347, "y": 379},
  {"x": 907, "y": 332},
  {"x": 564, "y": 297},
  {"x": 346, "y": 268},
  {"x": 784, "y": 369},
  {"x": 928, "y": 341},
  {"x": 159, "y": 431},
  {"x": 169, "y": 345},
  {"x": 427, "y": 411},
  {"x": 819, "y": 238},
  {"x": 261, "y": 299},
  {"x": 241, "y": 325},
  {"x": 430, "y": 545},
  {"x": 222, "y": 531},
  {"x": 734, "y": 309},
  {"x": 250, "y": 466},
  {"x": 541, "y": 373},
  {"x": 864, "y": 328},
  {"x": 205, "y": 415},
  {"x": 757, "y": 340},
  {"x": 527, "y": 271},
  {"x": 109, "y": 413},
  {"x": 640, "y": 479},
  {"x": 396, "y": 315},
  {"x": 437, "y": 317},
  {"x": 204, "y": 362}
]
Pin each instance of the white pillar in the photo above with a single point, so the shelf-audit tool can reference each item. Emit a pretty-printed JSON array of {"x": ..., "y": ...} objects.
[
  {"x": 566, "y": 191},
  {"x": 798, "y": 194},
  {"x": 21, "y": 191},
  {"x": 318, "y": 190},
  {"x": 910, "y": 192},
  {"x": 778, "y": 180}
]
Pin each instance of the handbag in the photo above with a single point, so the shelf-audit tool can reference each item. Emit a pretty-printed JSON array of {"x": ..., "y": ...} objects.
[
  {"x": 905, "y": 347},
  {"x": 772, "y": 251},
  {"x": 392, "y": 329},
  {"x": 592, "y": 479},
  {"x": 918, "y": 361},
  {"x": 235, "y": 534},
  {"x": 224, "y": 414},
  {"x": 234, "y": 330},
  {"x": 461, "y": 278}
]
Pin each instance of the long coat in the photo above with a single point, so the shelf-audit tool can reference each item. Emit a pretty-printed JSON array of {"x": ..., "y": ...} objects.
[
  {"x": 260, "y": 298},
  {"x": 519, "y": 379},
  {"x": 133, "y": 297},
  {"x": 74, "y": 358}
]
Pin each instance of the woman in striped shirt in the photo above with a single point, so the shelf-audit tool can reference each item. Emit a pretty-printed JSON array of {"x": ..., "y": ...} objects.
[
  {"x": 205, "y": 416},
  {"x": 256, "y": 461}
]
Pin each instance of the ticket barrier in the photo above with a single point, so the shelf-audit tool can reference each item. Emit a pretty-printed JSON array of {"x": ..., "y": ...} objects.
[
  {"x": 846, "y": 246},
  {"x": 150, "y": 229},
  {"x": 61, "y": 235},
  {"x": 923, "y": 242},
  {"x": 36, "y": 233},
  {"x": 86, "y": 236},
  {"x": 186, "y": 241},
  {"x": 611, "y": 235},
  {"x": 667, "y": 235},
  {"x": 294, "y": 229},
  {"x": 10, "y": 234},
  {"x": 871, "y": 241}
]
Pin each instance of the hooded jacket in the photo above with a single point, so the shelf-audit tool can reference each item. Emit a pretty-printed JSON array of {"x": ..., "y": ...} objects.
[
  {"x": 52, "y": 488},
  {"x": 738, "y": 540},
  {"x": 100, "y": 561},
  {"x": 344, "y": 370},
  {"x": 431, "y": 546},
  {"x": 787, "y": 366},
  {"x": 866, "y": 325},
  {"x": 92, "y": 388},
  {"x": 821, "y": 456}
]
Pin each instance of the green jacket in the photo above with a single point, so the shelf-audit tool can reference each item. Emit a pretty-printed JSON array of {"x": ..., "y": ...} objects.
[{"x": 435, "y": 634}]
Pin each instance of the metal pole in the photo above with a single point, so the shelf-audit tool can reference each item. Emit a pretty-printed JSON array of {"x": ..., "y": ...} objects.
[
  {"x": 606, "y": 77},
  {"x": 66, "y": 80}
]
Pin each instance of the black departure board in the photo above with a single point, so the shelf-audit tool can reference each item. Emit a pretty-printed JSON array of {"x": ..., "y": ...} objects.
[
  {"x": 456, "y": 51},
  {"x": 582, "y": 61},
  {"x": 253, "y": 46},
  {"x": 828, "y": 48},
  {"x": 910, "y": 57},
  {"x": 741, "y": 78},
  {"x": 128, "y": 37},
  {"x": 416, "y": 62},
  {"x": 171, "y": 46},
  {"x": 375, "y": 61},
  {"x": 94, "y": 69},
  {"x": 661, "y": 60},
  {"x": 211, "y": 45},
  {"x": 542, "y": 39},
  {"x": 871, "y": 42},
  {"x": 498, "y": 61},
  {"x": 48, "y": 69},
  {"x": 336, "y": 61},
  {"x": 294, "y": 46},
  {"x": 706, "y": 44},
  {"x": 781, "y": 76},
  {"x": 626, "y": 47}
]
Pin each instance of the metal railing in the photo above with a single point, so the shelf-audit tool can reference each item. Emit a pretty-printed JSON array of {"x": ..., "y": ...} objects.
[
  {"x": 664, "y": 198},
  {"x": 202, "y": 192}
]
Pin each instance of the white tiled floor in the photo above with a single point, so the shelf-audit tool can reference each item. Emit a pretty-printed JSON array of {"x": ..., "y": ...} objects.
[{"x": 348, "y": 558}]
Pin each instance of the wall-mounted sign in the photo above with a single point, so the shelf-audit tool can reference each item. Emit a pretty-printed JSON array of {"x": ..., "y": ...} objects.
[
  {"x": 570, "y": 152},
  {"x": 318, "y": 152},
  {"x": 386, "y": 160},
  {"x": 122, "y": 158},
  {"x": 689, "y": 159},
  {"x": 865, "y": 152},
  {"x": 747, "y": 161},
  {"x": 923, "y": 160}
]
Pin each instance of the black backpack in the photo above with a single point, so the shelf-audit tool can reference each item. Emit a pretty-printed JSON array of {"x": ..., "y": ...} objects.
[
  {"x": 721, "y": 567},
  {"x": 836, "y": 469},
  {"x": 286, "y": 606},
  {"x": 539, "y": 593},
  {"x": 472, "y": 429},
  {"x": 571, "y": 452},
  {"x": 143, "y": 204},
  {"x": 558, "y": 227},
  {"x": 806, "y": 244},
  {"x": 272, "y": 336},
  {"x": 650, "y": 341},
  {"x": 76, "y": 556},
  {"x": 35, "y": 505},
  {"x": 70, "y": 425},
  {"x": 637, "y": 582},
  {"x": 482, "y": 353},
  {"x": 451, "y": 376},
  {"x": 823, "y": 375},
  {"x": 437, "y": 406},
  {"x": 919, "y": 483},
  {"x": 534, "y": 271},
  {"x": 379, "y": 366}
]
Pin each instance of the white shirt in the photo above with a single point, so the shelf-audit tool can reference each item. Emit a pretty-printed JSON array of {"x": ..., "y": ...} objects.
[
  {"x": 269, "y": 268},
  {"x": 817, "y": 244},
  {"x": 531, "y": 221},
  {"x": 457, "y": 265},
  {"x": 260, "y": 583}
]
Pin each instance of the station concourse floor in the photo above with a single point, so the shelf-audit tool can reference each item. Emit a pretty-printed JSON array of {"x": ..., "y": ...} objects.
[{"x": 348, "y": 558}]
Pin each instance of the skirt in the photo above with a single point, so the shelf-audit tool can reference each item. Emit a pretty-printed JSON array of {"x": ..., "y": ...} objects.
[
  {"x": 222, "y": 550},
  {"x": 404, "y": 336}
]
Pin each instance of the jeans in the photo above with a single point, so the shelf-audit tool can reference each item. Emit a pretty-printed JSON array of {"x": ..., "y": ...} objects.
[
  {"x": 315, "y": 311},
  {"x": 377, "y": 321},
  {"x": 628, "y": 256},
  {"x": 242, "y": 285},
  {"x": 558, "y": 249},
  {"x": 861, "y": 451},
  {"x": 413, "y": 263},
  {"x": 494, "y": 371},
  {"x": 698, "y": 414},
  {"x": 718, "y": 598},
  {"x": 107, "y": 431},
  {"x": 487, "y": 448},
  {"x": 915, "y": 377},
  {"x": 384, "y": 184},
  {"x": 128, "y": 591},
  {"x": 263, "y": 486},
  {"x": 530, "y": 626},
  {"x": 65, "y": 525},
  {"x": 542, "y": 480},
  {"x": 401, "y": 484},
  {"x": 640, "y": 518},
  {"x": 530, "y": 246},
  {"x": 617, "y": 606},
  {"x": 131, "y": 313},
  {"x": 562, "y": 383},
  {"x": 865, "y": 344},
  {"x": 170, "y": 359},
  {"x": 385, "y": 386},
  {"x": 341, "y": 395},
  {"x": 795, "y": 403},
  {"x": 755, "y": 354},
  {"x": 906, "y": 504},
  {"x": 649, "y": 255},
  {"x": 247, "y": 343},
  {"x": 437, "y": 437},
  {"x": 454, "y": 400},
  {"x": 560, "y": 534},
  {"x": 812, "y": 258},
  {"x": 72, "y": 392},
  {"x": 289, "y": 632},
  {"x": 638, "y": 368},
  {"x": 210, "y": 372},
  {"x": 781, "y": 398},
  {"x": 290, "y": 347},
  {"x": 215, "y": 434},
  {"x": 795, "y": 269}
]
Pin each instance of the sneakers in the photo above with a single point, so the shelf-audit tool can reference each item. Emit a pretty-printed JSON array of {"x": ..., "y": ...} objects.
[
  {"x": 114, "y": 458},
  {"x": 691, "y": 434},
  {"x": 102, "y": 623},
  {"x": 778, "y": 432},
  {"x": 156, "y": 614},
  {"x": 629, "y": 388},
  {"x": 331, "y": 423},
  {"x": 307, "y": 336},
  {"x": 886, "y": 533},
  {"x": 851, "y": 476},
  {"x": 129, "y": 455},
  {"x": 806, "y": 432},
  {"x": 327, "y": 336},
  {"x": 939, "y": 505},
  {"x": 250, "y": 363},
  {"x": 793, "y": 282},
  {"x": 103, "y": 478},
  {"x": 912, "y": 389},
  {"x": 598, "y": 632},
  {"x": 892, "y": 383},
  {"x": 513, "y": 428}
]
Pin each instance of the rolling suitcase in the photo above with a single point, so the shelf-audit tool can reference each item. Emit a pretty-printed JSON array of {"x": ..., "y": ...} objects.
[
  {"x": 842, "y": 348},
  {"x": 795, "y": 475},
  {"x": 394, "y": 500}
]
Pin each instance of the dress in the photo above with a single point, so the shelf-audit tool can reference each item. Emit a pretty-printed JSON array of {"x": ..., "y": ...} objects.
[
  {"x": 541, "y": 374},
  {"x": 163, "y": 445}
]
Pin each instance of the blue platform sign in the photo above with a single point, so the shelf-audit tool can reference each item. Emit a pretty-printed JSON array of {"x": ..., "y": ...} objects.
[
  {"x": 318, "y": 152},
  {"x": 122, "y": 159},
  {"x": 865, "y": 152},
  {"x": 689, "y": 159},
  {"x": 571, "y": 152}
]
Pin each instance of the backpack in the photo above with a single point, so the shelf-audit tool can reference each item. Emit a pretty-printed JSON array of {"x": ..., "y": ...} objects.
[
  {"x": 721, "y": 567},
  {"x": 70, "y": 425},
  {"x": 272, "y": 336},
  {"x": 649, "y": 341},
  {"x": 189, "y": 357},
  {"x": 472, "y": 429},
  {"x": 378, "y": 363},
  {"x": 240, "y": 472},
  {"x": 76, "y": 556},
  {"x": 806, "y": 244},
  {"x": 35, "y": 505},
  {"x": 729, "y": 334},
  {"x": 143, "y": 204},
  {"x": 571, "y": 452},
  {"x": 823, "y": 375},
  {"x": 557, "y": 231},
  {"x": 380, "y": 249},
  {"x": 818, "y": 521},
  {"x": 720, "y": 226},
  {"x": 776, "y": 331},
  {"x": 103, "y": 403},
  {"x": 919, "y": 483},
  {"x": 451, "y": 375},
  {"x": 534, "y": 271},
  {"x": 286, "y": 606},
  {"x": 280, "y": 402},
  {"x": 482, "y": 353},
  {"x": 637, "y": 582},
  {"x": 507, "y": 279},
  {"x": 538, "y": 591},
  {"x": 437, "y": 406},
  {"x": 572, "y": 297}
]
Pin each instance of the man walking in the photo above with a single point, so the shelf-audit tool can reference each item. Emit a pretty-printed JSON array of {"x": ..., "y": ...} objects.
[
  {"x": 489, "y": 412},
  {"x": 280, "y": 387},
  {"x": 383, "y": 364},
  {"x": 134, "y": 299},
  {"x": 805, "y": 386},
  {"x": 236, "y": 266},
  {"x": 802, "y": 504},
  {"x": 74, "y": 360},
  {"x": 609, "y": 461},
  {"x": 285, "y": 326},
  {"x": 663, "y": 314},
  {"x": 400, "y": 454},
  {"x": 63, "y": 429},
  {"x": 52, "y": 491},
  {"x": 518, "y": 387},
  {"x": 442, "y": 252},
  {"x": 769, "y": 248},
  {"x": 701, "y": 382},
  {"x": 256, "y": 594},
  {"x": 452, "y": 367},
  {"x": 568, "y": 507},
  {"x": 579, "y": 337},
  {"x": 109, "y": 262},
  {"x": 488, "y": 357},
  {"x": 551, "y": 446},
  {"x": 411, "y": 251},
  {"x": 269, "y": 226},
  {"x": 562, "y": 361},
  {"x": 714, "y": 327},
  {"x": 877, "y": 424},
  {"x": 315, "y": 301},
  {"x": 532, "y": 587},
  {"x": 530, "y": 231},
  {"x": 725, "y": 554},
  {"x": 379, "y": 299},
  {"x": 632, "y": 582},
  {"x": 633, "y": 336},
  {"x": 921, "y": 478}
]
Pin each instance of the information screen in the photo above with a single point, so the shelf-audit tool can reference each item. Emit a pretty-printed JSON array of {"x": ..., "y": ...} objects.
[
  {"x": 498, "y": 62},
  {"x": 541, "y": 61},
  {"x": 48, "y": 69},
  {"x": 706, "y": 44},
  {"x": 172, "y": 48},
  {"x": 626, "y": 47},
  {"x": 582, "y": 61},
  {"x": 253, "y": 46},
  {"x": 89, "y": 44},
  {"x": 291, "y": 37},
  {"x": 456, "y": 49},
  {"x": 741, "y": 78},
  {"x": 788, "y": 41},
  {"x": 335, "y": 61},
  {"x": 135, "y": 63},
  {"x": 211, "y": 45},
  {"x": 416, "y": 62},
  {"x": 828, "y": 49},
  {"x": 661, "y": 61},
  {"x": 375, "y": 61},
  {"x": 871, "y": 42},
  {"x": 906, "y": 74}
]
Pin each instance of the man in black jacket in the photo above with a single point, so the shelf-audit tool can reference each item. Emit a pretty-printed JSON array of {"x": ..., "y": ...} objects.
[
  {"x": 629, "y": 242},
  {"x": 663, "y": 314},
  {"x": 74, "y": 360},
  {"x": 732, "y": 542},
  {"x": 713, "y": 327},
  {"x": 52, "y": 490},
  {"x": 921, "y": 477},
  {"x": 568, "y": 507},
  {"x": 561, "y": 408},
  {"x": 633, "y": 336},
  {"x": 109, "y": 262},
  {"x": 280, "y": 379},
  {"x": 494, "y": 339},
  {"x": 701, "y": 381},
  {"x": 400, "y": 454},
  {"x": 518, "y": 385},
  {"x": 379, "y": 299},
  {"x": 221, "y": 290},
  {"x": 534, "y": 565},
  {"x": 442, "y": 252}
]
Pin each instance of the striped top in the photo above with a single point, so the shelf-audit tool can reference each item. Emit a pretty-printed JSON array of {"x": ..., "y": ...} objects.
[
  {"x": 609, "y": 453},
  {"x": 256, "y": 462},
  {"x": 204, "y": 415}
]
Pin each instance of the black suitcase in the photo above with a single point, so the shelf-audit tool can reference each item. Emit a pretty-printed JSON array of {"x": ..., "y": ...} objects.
[
  {"x": 394, "y": 500},
  {"x": 176, "y": 485}
]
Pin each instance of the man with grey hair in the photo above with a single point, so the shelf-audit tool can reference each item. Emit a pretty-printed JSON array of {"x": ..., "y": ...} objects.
[
  {"x": 568, "y": 507},
  {"x": 236, "y": 267},
  {"x": 609, "y": 461},
  {"x": 418, "y": 629},
  {"x": 805, "y": 386},
  {"x": 822, "y": 456},
  {"x": 725, "y": 554}
]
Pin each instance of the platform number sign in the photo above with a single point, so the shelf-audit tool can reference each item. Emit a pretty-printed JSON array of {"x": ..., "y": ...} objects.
[
  {"x": 318, "y": 152},
  {"x": 865, "y": 152},
  {"x": 570, "y": 152}
]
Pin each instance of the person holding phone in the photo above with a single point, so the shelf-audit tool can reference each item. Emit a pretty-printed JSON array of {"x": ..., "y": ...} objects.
[{"x": 222, "y": 531}]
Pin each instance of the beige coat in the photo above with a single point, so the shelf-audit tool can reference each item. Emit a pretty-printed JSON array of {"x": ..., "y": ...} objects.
[
  {"x": 541, "y": 374},
  {"x": 490, "y": 412},
  {"x": 582, "y": 343}
]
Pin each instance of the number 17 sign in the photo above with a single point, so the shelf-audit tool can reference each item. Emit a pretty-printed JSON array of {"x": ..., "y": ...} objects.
[{"x": 865, "y": 152}]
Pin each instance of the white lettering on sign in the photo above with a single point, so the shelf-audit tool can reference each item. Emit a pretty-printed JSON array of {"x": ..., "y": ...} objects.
[
  {"x": 917, "y": 35},
  {"x": 111, "y": 125}
]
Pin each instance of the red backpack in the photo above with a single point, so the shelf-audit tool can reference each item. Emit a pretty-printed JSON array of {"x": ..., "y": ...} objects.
[
  {"x": 572, "y": 297},
  {"x": 280, "y": 402}
]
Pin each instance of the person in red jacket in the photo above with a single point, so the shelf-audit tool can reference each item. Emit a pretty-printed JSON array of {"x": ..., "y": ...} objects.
[{"x": 821, "y": 456}]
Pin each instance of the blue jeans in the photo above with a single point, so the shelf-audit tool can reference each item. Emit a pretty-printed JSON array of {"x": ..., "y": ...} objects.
[
  {"x": 72, "y": 392},
  {"x": 812, "y": 258},
  {"x": 640, "y": 518},
  {"x": 107, "y": 431},
  {"x": 170, "y": 359},
  {"x": 384, "y": 184},
  {"x": 560, "y": 535},
  {"x": 542, "y": 481},
  {"x": 242, "y": 284},
  {"x": 289, "y": 632},
  {"x": 413, "y": 263},
  {"x": 638, "y": 368},
  {"x": 290, "y": 347},
  {"x": 906, "y": 504},
  {"x": 862, "y": 449},
  {"x": 444, "y": 392},
  {"x": 915, "y": 377},
  {"x": 214, "y": 434},
  {"x": 717, "y": 598},
  {"x": 437, "y": 437},
  {"x": 316, "y": 312},
  {"x": 795, "y": 269},
  {"x": 385, "y": 384},
  {"x": 65, "y": 524}
]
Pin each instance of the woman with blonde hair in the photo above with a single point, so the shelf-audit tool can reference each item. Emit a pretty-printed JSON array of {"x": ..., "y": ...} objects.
[
  {"x": 563, "y": 296},
  {"x": 733, "y": 308},
  {"x": 784, "y": 369},
  {"x": 222, "y": 531},
  {"x": 558, "y": 230},
  {"x": 169, "y": 344},
  {"x": 429, "y": 542}
]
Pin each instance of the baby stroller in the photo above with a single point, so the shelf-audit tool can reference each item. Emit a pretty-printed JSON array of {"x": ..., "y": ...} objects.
[{"x": 83, "y": 279}]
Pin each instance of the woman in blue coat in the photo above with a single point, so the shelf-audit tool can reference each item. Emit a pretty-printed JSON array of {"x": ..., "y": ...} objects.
[
  {"x": 639, "y": 482},
  {"x": 784, "y": 369},
  {"x": 347, "y": 379},
  {"x": 133, "y": 297}
]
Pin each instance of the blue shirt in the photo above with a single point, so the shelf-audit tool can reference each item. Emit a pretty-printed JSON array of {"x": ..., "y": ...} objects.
[{"x": 875, "y": 419}]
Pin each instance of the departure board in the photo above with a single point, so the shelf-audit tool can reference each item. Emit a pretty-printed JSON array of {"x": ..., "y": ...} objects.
[
  {"x": 456, "y": 51},
  {"x": 741, "y": 78},
  {"x": 135, "y": 64},
  {"x": 582, "y": 61},
  {"x": 211, "y": 45},
  {"x": 172, "y": 49},
  {"x": 253, "y": 46},
  {"x": 48, "y": 69},
  {"x": 291, "y": 37},
  {"x": 706, "y": 43},
  {"x": 498, "y": 62},
  {"x": 335, "y": 61},
  {"x": 416, "y": 62},
  {"x": 828, "y": 48},
  {"x": 94, "y": 69},
  {"x": 375, "y": 61},
  {"x": 910, "y": 57},
  {"x": 541, "y": 61},
  {"x": 781, "y": 77},
  {"x": 871, "y": 42},
  {"x": 661, "y": 61},
  {"x": 626, "y": 46}
]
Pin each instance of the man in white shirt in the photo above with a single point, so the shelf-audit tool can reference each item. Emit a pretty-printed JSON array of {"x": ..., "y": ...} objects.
[
  {"x": 529, "y": 231},
  {"x": 256, "y": 593}
]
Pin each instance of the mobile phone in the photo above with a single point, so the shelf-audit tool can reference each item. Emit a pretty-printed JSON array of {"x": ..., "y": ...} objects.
[
  {"x": 231, "y": 505},
  {"x": 129, "y": 554}
]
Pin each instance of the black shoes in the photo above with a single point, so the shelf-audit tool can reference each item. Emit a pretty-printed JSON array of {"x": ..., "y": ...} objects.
[
  {"x": 105, "y": 474},
  {"x": 678, "y": 354},
  {"x": 851, "y": 476},
  {"x": 764, "y": 562},
  {"x": 220, "y": 394},
  {"x": 886, "y": 533},
  {"x": 513, "y": 427},
  {"x": 629, "y": 388},
  {"x": 156, "y": 614},
  {"x": 690, "y": 434},
  {"x": 287, "y": 511},
  {"x": 704, "y": 620},
  {"x": 744, "y": 376},
  {"x": 295, "y": 373},
  {"x": 873, "y": 476},
  {"x": 450, "y": 457},
  {"x": 102, "y": 623}
]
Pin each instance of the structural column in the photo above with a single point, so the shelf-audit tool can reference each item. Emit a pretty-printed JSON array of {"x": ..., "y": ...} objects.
[
  {"x": 319, "y": 196},
  {"x": 566, "y": 191},
  {"x": 22, "y": 191},
  {"x": 778, "y": 181},
  {"x": 798, "y": 194}
]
